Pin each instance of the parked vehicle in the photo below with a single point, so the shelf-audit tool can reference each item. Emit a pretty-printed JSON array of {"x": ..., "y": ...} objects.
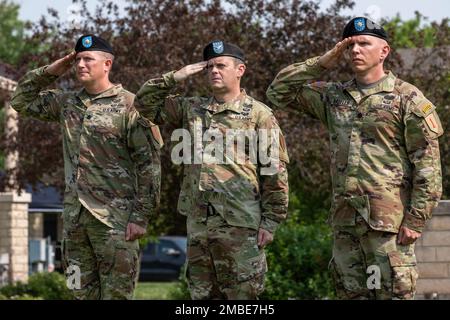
[{"x": 163, "y": 260}]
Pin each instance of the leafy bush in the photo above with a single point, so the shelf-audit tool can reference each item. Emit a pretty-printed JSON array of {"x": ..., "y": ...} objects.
[
  {"x": 181, "y": 290},
  {"x": 298, "y": 263},
  {"x": 299, "y": 256},
  {"x": 45, "y": 285}
]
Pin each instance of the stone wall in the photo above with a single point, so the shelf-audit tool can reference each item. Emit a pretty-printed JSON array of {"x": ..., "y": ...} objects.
[
  {"x": 433, "y": 255},
  {"x": 14, "y": 233}
]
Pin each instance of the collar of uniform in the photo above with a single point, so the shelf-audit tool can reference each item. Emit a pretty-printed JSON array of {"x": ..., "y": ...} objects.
[
  {"x": 387, "y": 85},
  {"x": 111, "y": 92},
  {"x": 236, "y": 105}
]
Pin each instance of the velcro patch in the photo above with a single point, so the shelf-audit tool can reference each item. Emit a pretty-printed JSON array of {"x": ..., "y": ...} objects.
[
  {"x": 426, "y": 108},
  {"x": 432, "y": 123},
  {"x": 157, "y": 135}
]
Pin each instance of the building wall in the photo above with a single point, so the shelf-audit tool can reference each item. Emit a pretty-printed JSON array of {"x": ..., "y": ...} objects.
[
  {"x": 433, "y": 255},
  {"x": 14, "y": 233}
]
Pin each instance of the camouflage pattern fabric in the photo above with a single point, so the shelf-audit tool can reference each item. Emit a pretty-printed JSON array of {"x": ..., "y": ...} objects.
[
  {"x": 223, "y": 261},
  {"x": 111, "y": 153},
  {"x": 107, "y": 263},
  {"x": 112, "y": 168},
  {"x": 385, "y": 160},
  {"x": 239, "y": 192},
  {"x": 385, "y": 167},
  {"x": 358, "y": 248}
]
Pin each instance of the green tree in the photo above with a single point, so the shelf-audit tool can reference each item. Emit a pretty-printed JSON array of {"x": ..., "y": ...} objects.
[
  {"x": 413, "y": 33},
  {"x": 12, "y": 33}
]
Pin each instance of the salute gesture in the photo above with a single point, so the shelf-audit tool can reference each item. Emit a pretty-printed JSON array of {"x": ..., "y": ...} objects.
[
  {"x": 332, "y": 57},
  {"x": 61, "y": 66},
  {"x": 189, "y": 70}
]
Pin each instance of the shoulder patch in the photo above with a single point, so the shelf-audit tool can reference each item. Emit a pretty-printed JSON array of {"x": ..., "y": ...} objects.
[
  {"x": 423, "y": 108},
  {"x": 154, "y": 130},
  {"x": 432, "y": 123},
  {"x": 426, "y": 108},
  {"x": 157, "y": 135}
]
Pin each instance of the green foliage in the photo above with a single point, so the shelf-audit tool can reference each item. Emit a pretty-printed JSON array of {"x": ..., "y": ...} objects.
[
  {"x": 411, "y": 33},
  {"x": 181, "y": 290},
  {"x": 44, "y": 285},
  {"x": 154, "y": 290},
  {"x": 12, "y": 32},
  {"x": 298, "y": 259}
]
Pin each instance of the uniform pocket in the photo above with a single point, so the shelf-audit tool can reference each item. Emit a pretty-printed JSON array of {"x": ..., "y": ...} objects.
[
  {"x": 251, "y": 268},
  {"x": 403, "y": 272},
  {"x": 337, "y": 279}
]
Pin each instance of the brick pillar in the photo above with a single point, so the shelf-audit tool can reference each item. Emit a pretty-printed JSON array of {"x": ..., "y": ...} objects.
[
  {"x": 11, "y": 130},
  {"x": 14, "y": 233},
  {"x": 14, "y": 212}
]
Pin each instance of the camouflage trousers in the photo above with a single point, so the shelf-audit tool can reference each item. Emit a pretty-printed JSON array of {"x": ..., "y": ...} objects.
[
  {"x": 369, "y": 264},
  {"x": 106, "y": 263},
  {"x": 223, "y": 261}
]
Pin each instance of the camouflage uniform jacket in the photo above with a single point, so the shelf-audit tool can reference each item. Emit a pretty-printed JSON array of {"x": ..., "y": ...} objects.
[
  {"x": 238, "y": 191},
  {"x": 111, "y": 153},
  {"x": 385, "y": 160}
]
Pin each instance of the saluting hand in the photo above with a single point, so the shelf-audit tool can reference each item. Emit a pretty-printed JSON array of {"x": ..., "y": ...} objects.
[
  {"x": 60, "y": 66},
  {"x": 332, "y": 57},
  {"x": 189, "y": 70}
]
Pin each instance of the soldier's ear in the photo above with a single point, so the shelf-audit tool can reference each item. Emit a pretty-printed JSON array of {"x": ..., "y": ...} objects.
[
  {"x": 385, "y": 51},
  {"x": 241, "y": 69},
  {"x": 108, "y": 64}
]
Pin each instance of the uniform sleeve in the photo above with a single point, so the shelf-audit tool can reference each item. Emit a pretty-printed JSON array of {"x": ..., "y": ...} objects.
[
  {"x": 422, "y": 130},
  {"x": 144, "y": 143},
  {"x": 293, "y": 89},
  {"x": 156, "y": 104},
  {"x": 273, "y": 174},
  {"x": 31, "y": 100}
]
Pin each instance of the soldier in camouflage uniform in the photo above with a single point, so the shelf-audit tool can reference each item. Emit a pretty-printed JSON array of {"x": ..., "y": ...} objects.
[
  {"x": 232, "y": 208},
  {"x": 112, "y": 168},
  {"x": 385, "y": 161}
]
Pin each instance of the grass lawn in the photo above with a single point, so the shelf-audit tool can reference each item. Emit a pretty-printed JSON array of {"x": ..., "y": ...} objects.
[{"x": 154, "y": 290}]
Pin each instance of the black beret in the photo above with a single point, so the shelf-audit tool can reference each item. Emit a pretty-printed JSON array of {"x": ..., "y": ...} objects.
[
  {"x": 219, "y": 48},
  {"x": 89, "y": 42},
  {"x": 363, "y": 26}
]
